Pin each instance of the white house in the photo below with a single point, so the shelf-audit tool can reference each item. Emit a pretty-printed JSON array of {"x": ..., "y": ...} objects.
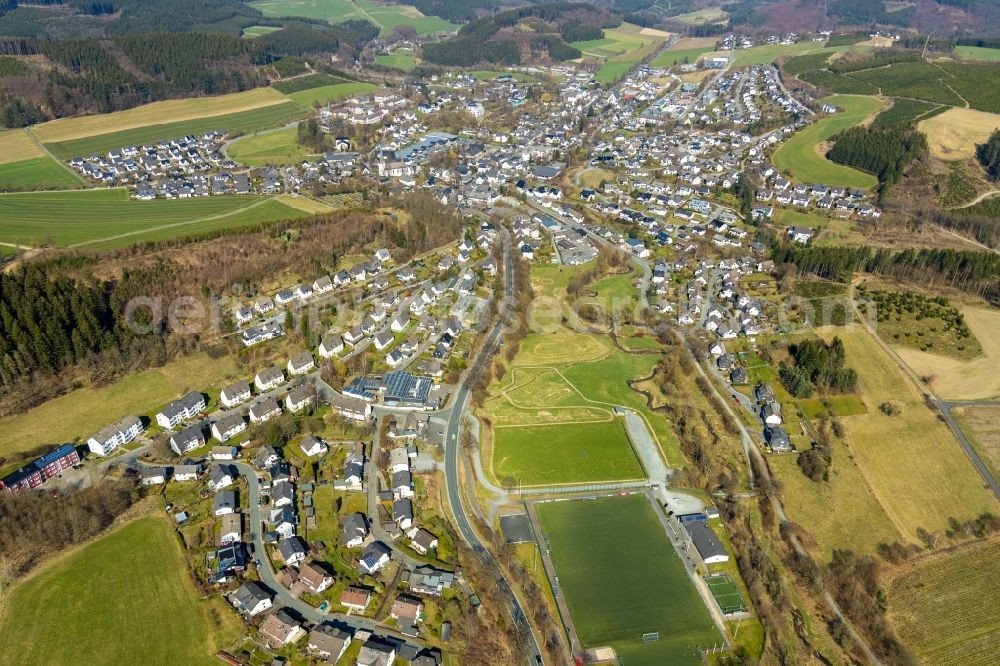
[
  {"x": 228, "y": 426},
  {"x": 181, "y": 410},
  {"x": 301, "y": 363},
  {"x": 331, "y": 346},
  {"x": 313, "y": 446},
  {"x": 110, "y": 437},
  {"x": 234, "y": 394},
  {"x": 269, "y": 378}
]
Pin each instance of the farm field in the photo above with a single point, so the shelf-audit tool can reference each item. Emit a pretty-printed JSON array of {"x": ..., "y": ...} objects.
[
  {"x": 906, "y": 111},
  {"x": 839, "y": 513},
  {"x": 39, "y": 173},
  {"x": 258, "y": 30},
  {"x": 323, "y": 94},
  {"x": 252, "y": 120},
  {"x": 157, "y": 113},
  {"x": 956, "y": 379},
  {"x": 387, "y": 17},
  {"x": 953, "y": 135},
  {"x": 977, "y": 53},
  {"x": 801, "y": 157},
  {"x": 703, "y": 16},
  {"x": 938, "y": 482},
  {"x": 981, "y": 424},
  {"x": 621, "y": 578},
  {"x": 399, "y": 60},
  {"x": 679, "y": 57},
  {"x": 943, "y": 604},
  {"x": 121, "y": 586},
  {"x": 613, "y": 70},
  {"x": 109, "y": 218},
  {"x": 16, "y": 146},
  {"x": 78, "y": 414},
  {"x": 278, "y": 147}
]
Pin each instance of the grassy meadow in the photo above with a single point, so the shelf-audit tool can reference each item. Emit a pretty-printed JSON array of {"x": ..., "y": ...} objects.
[
  {"x": 278, "y": 147},
  {"x": 258, "y": 30},
  {"x": 954, "y": 134},
  {"x": 621, "y": 578},
  {"x": 130, "y": 589},
  {"x": 332, "y": 93},
  {"x": 938, "y": 481},
  {"x": 801, "y": 155},
  {"x": 399, "y": 60},
  {"x": 38, "y": 173},
  {"x": 78, "y": 414},
  {"x": 106, "y": 218},
  {"x": 16, "y": 145},
  {"x": 386, "y": 17},
  {"x": 977, "y": 53}
]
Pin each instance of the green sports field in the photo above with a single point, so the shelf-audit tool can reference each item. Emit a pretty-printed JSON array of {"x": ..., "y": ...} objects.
[
  {"x": 621, "y": 578},
  {"x": 105, "y": 218},
  {"x": 243, "y": 121},
  {"x": 565, "y": 453},
  {"x": 39, "y": 173},
  {"x": 399, "y": 60},
  {"x": 801, "y": 158},
  {"x": 126, "y": 598},
  {"x": 726, "y": 594}
]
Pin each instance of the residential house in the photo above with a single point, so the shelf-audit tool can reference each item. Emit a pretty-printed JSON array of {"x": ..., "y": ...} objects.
[
  {"x": 280, "y": 629},
  {"x": 299, "y": 398},
  {"x": 234, "y": 394},
  {"x": 354, "y": 530},
  {"x": 224, "y": 453},
  {"x": 422, "y": 540},
  {"x": 374, "y": 556},
  {"x": 301, "y": 363},
  {"x": 220, "y": 476},
  {"x": 313, "y": 446},
  {"x": 376, "y": 652},
  {"x": 230, "y": 528},
  {"x": 109, "y": 438},
  {"x": 283, "y": 494},
  {"x": 264, "y": 410},
  {"x": 292, "y": 551},
  {"x": 331, "y": 346},
  {"x": 283, "y": 520},
  {"x": 315, "y": 577},
  {"x": 269, "y": 378},
  {"x": 328, "y": 643},
  {"x": 356, "y": 599},
  {"x": 188, "y": 439},
  {"x": 407, "y": 608},
  {"x": 154, "y": 476},
  {"x": 180, "y": 410},
  {"x": 251, "y": 598},
  {"x": 402, "y": 513},
  {"x": 225, "y": 502},
  {"x": 187, "y": 472},
  {"x": 228, "y": 426},
  {"x": 351, "y": 408},
  {"x": 267, "y": 456}
]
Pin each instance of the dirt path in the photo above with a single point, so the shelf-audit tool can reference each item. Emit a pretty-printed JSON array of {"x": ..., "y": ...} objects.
[{"x": 979, "y": 198}]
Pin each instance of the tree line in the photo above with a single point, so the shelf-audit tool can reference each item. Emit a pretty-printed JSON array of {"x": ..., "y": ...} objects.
[
  {"x": 988, "y": 155},
  {"x": 882, "y": 151},
  {"x": 975, "y": 272}
]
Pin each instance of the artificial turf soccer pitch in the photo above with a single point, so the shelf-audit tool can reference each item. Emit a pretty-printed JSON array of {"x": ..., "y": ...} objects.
[
  {"x": 726, "y": 594},
  {"x": 621, "y": 579}
]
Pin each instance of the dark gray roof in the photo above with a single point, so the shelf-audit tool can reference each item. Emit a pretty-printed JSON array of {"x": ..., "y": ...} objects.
[{"x": 705, "y": 540}]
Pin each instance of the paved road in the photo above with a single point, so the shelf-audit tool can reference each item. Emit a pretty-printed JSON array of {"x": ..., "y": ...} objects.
[{"x": 454, "y": 416}]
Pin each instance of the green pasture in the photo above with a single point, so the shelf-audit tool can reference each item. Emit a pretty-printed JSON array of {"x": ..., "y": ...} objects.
[
  {"x": 131, "y": 590},
  {"x": 103, "y": 218},
  {"x": 332, "y": 93},
  {"x": 399, "y": 60},
  {"x": 279, "y": 147},
  {"x": 800, "y": 156},
  {"x": 39, "y": 173},
  {"x": 258, "y": 30},
  {"x": 679, "y": 57}
]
